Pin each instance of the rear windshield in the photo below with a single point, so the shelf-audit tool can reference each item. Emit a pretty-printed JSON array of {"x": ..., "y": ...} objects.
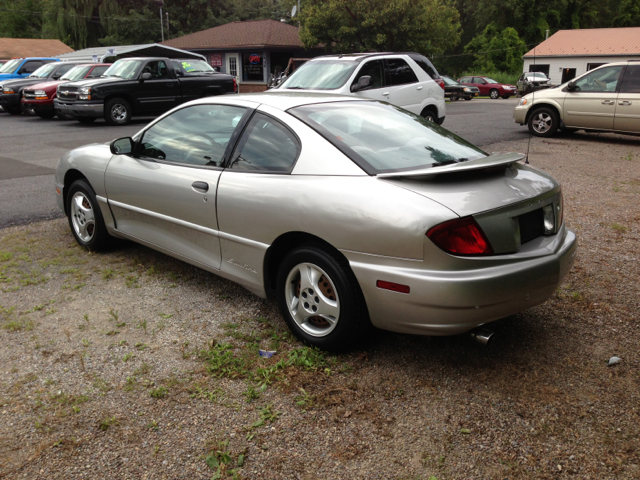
[
  {"x": 76, "y": 73},
  {"x": 187, "y": 67},
  {"x": 10, "y": 66},
  {"x": 321, "y": 75},
  {"x": 448, "y": 81},
  {"x": 489, "y": 80},
  {"x": 382, "y": 138}
]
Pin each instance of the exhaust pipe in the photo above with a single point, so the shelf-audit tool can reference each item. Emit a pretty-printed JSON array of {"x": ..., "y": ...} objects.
[{"x": 482, "y": 336}]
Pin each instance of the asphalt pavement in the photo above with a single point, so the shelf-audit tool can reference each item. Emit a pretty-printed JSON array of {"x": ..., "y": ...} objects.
[{"x": 30, "y": 148}]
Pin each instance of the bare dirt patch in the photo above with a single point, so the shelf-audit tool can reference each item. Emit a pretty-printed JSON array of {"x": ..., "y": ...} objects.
[{"x": 130, "y": 364}]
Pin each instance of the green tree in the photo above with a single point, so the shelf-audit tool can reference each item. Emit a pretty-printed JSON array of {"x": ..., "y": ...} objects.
[
  {"x": 496, "y": 50},
  {"x": 426, "y": 26},
  {"x": 20, "y": 18}
]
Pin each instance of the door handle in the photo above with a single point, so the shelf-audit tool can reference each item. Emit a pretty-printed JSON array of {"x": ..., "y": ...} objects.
[
  {"x": 200, "y": 187},
  {"x": 170, "y": 84},
  {"x": 419, "y": 88},
  {"x": 386, "y": 94},
  {"x": 608, "y": 102},
  {"x": 624, "y": 102}
]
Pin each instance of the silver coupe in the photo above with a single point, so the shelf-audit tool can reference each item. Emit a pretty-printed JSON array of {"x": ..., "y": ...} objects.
[{"x": 349, "y": 212}]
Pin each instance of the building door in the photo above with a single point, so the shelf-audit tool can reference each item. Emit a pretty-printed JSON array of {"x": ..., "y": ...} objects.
[
  {"x": 568, "y": 74},
  {"x": 233, "y": 65}
]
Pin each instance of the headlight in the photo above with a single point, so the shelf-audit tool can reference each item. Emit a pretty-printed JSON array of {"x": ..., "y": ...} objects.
[
  {"x": 40, "y": 93},
  {"x": 8, "y": 90},
  {"x": 466, "y": 89},
  {"x": 523, "y": 101},
  {"x": 84, "y": 93}
]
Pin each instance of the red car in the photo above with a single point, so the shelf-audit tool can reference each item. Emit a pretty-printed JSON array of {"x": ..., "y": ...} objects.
[
  {"x": 490, "y": 87},
  {"x": 38, "y": 99}
]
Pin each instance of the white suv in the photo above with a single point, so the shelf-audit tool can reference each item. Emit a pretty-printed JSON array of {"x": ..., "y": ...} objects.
[{"x": 408, "y": 80}]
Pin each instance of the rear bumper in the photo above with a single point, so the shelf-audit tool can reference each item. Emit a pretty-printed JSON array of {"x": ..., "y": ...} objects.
[
  {"x": 455, "y": 301},
  {"x": 79, "y": 109}
]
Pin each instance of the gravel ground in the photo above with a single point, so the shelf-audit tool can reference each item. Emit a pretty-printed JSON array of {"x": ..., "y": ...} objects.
[{"x": 130, "y": 364}]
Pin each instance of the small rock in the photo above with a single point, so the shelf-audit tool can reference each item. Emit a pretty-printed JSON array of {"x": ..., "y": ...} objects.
[{"x": 614, "y": 361}]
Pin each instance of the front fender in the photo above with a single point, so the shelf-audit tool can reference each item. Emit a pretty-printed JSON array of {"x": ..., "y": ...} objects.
[
  {"x": 90, "y": 161},
  {"x": 545, "y": 102}
]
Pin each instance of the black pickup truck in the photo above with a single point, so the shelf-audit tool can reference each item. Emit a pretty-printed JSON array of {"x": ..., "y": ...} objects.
[{"x": 140, "y": 86}]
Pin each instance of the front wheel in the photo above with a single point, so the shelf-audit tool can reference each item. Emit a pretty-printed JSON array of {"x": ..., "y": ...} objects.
[
  {"x": 468, "y": 98},
  {"x": 85, "y": 217},
  {"x": 117, "y": 111},
  {"x": 454, "y": 98},
  {"x": 543, "y": 122},
  {"x": 320, "y": 299},
  {"x": 494, "y": 94}
]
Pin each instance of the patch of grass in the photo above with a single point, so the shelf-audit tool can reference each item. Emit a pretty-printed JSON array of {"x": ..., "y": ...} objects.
[
  {"x": 107, "y": 422},
  {"x": 127, "y": 357},
  {"x": 112, "y": 333},
  {"x": 153, "y": 425},
  {"x": 120, "y": 325},
  {"x": 619, "y": 228},
  {"x": 305, "y": 401},
  {"x": 576, "y": 297},
  {"x": 140, "y": 346},
  {"x": 143, "y": 325},
  {"x": 205, "y": 394},
  {"x": 159, "y": 392},
  {"x": 220, "y": 459},
  {"x": 252, "y": 393},
  {"x": 114, "y": 314},
  {"x": 108, "y": 274},
  {"x": 142, "y": 369},
  {"x": 131, "y": 281},
  {"x": 130, "y": 384},
  {"x": 166, "y": 315}
]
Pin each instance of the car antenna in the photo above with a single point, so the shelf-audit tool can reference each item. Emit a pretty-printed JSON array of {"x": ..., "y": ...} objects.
[{"x": 533, "y": 96}]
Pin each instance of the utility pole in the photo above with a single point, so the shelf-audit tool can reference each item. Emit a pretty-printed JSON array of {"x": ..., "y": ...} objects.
[
  {"x": 167, "y": 14},
  {"x": 161, "y": 24}
]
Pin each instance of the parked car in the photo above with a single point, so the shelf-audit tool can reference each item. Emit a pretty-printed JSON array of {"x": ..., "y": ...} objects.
[
  {"x": 38, "y": 99},
  {"x": 408, "y": 80},
  {"x": 455, "y": 90},
  {"x": 349, "y": 212},
  {"x": 604, "y": 99},
  {"x": 490, "y": 87},
  {"x": 140, "y": 86},
  {"x": 23, "y": 67},
  {"x": 11, "y": 93},
  {"x": 532, "y": 82}
]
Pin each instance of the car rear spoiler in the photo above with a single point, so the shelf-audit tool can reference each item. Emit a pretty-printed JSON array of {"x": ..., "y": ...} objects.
[{"x": 462, "y": 167}]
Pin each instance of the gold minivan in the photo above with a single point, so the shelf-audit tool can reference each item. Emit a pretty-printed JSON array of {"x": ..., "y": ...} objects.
[{"x": 604, "y": 99}]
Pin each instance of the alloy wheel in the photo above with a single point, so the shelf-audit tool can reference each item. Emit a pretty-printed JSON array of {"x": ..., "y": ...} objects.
[
  {"x": 542, "y": 122},
  {"x": 82, "y": 217},
  {"x": 119, "y": 112},
  {"x": 312, "y": 299}
]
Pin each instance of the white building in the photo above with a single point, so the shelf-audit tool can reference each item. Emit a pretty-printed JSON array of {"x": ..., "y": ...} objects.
[{"x": 570, "y": 53}]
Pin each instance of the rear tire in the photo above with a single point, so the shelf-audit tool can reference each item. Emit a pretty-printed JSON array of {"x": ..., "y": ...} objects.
[
  {"x": 468, "y": 98},
  {"x": 429, "y": 116},
  {"x": 85, "y": 217},
  {"x": 494, "y": 94},
  {"x": 117, "y": 111},
  {"x": 320, "y": 299},
  {"x": 543, "y": 122}
]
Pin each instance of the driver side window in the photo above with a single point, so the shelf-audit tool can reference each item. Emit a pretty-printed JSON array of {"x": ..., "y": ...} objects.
[
  {"x": 602, "y": 80},
  {"x": 196, "y": 135},
  {"x": 375, "y": 69}
]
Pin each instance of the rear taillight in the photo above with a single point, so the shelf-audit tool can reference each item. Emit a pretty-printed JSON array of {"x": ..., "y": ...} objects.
[
  {"x": 462, "y": 236},
  {"x": 235, "y": 85},
  {"x": 440, "y": 82}
]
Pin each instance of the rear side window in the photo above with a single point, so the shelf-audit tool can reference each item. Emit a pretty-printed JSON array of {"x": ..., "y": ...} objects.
[
  {"x": 31, "y": 66},
  {"x": 478, "y": 80},
  {"x": 465, "y": 80},
  {"x": 426, "y": 65},
  {"x": 631, "y": 80},
  {"x": 64, "y": 69},
  {"x": 400, "y": 72},
  {"x": 375, "y": 69},
  {"x": 266, "y": 146}
]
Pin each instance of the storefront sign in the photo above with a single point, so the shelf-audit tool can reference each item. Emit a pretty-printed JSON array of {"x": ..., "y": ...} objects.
[
  {"x": 252, "y": 66},
  {"x": 216, "y": 60}
]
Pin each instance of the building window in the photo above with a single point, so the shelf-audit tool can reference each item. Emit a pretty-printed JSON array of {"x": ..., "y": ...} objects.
[
  {"x": 591, "y": 66},
  {"x": 252, "y": 67},
  {"x": 540, "y": 68}
]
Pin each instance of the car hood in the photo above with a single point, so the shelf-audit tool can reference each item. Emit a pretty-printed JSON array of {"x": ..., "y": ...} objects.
[
  {"x": 24, "y": 82},
  {"x": 96, "y": 81},
  {"x": 474, "y": 190},
  {"x": 47, "y": 85}
]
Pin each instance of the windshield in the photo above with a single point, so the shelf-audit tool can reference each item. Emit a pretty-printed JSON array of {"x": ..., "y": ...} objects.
[
  {"x": 450, "y": 82},
  {"x": 10, "y": 66},
  {"x": 44, "y": 71},
  {"x": 537, "y": 75},
  {"x": 192, "y": 66},
  {"x": 76, "y": 73},
  {"x": 382, "y": 138},
  {"x": 490, "y": 80},
  {"x": 123, "y": 69},
  {"x": 321, "y": 75}
]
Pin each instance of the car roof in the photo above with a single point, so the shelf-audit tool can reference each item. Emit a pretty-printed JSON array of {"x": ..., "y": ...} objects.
[
  {"x": 282, "y": 100},
  {"x": 358, "y": 57}
]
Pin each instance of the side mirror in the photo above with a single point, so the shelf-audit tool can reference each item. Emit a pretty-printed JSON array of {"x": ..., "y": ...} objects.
[
  {"x": 56, "y": 76},
  {"x": 145, "y": 76},
  {"x": 571, "y": 86},
  {"x": 122, "y": 146},
  {"x": 363, "y": 82},
  {"x": 179, "y": 72}
]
